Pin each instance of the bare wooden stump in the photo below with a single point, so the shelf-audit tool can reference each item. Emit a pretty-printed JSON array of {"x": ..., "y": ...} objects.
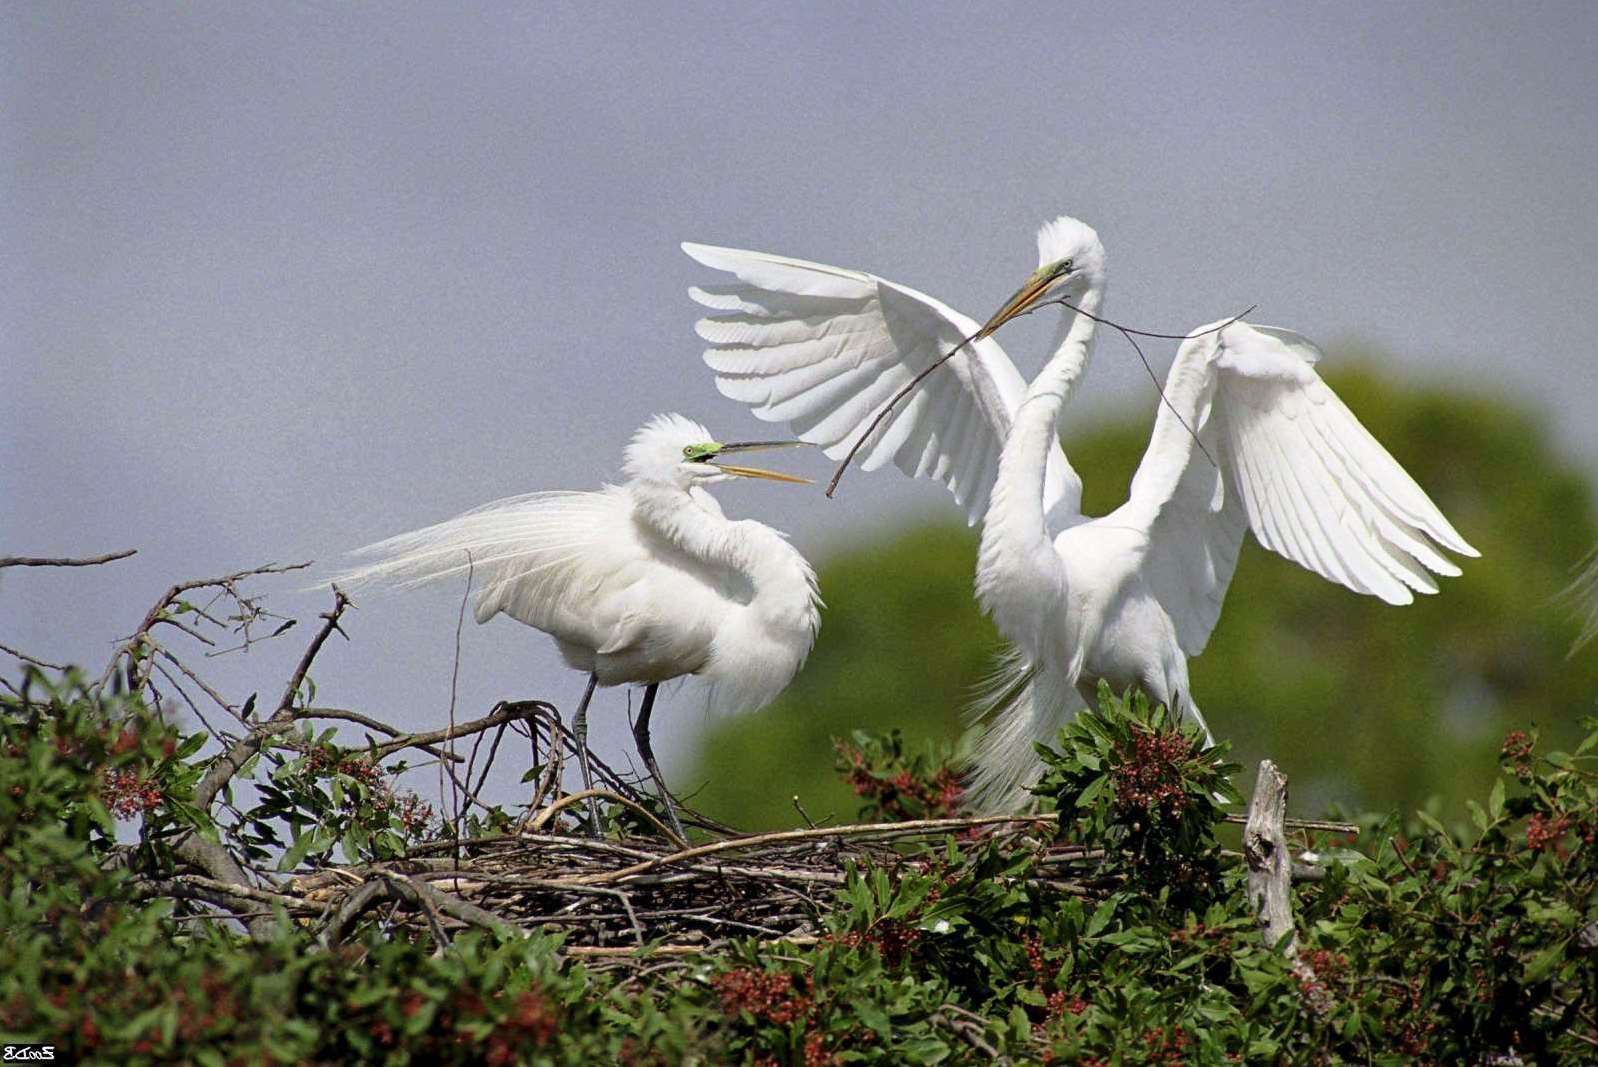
[
  {"x": 1270, "y": 877},
  {"x": 1270, "y": 866}
]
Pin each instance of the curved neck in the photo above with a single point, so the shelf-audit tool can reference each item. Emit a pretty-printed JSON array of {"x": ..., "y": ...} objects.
[
  {"x": 693, "y": 522},
  {"x": 1018, "y": 572},
  {"x": 1017, "y": 506}
]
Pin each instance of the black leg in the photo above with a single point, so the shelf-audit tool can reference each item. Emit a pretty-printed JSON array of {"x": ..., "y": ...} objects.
[
  {"x": 641, "y": 739},
  {"x": 580, "y": 732}
]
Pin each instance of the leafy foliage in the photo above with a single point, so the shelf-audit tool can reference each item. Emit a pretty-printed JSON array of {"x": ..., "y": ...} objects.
[
  {"x": 896, "y": 784},
  {"x": 1427, "y": 946},
  {"x": 1144, "y": 788}
]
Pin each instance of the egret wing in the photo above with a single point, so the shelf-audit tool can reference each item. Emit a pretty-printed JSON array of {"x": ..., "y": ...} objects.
[
  {"x": 558, "y": 561},
  {"x": 824, "y": 349},
  {"x": 1284, "y": 457}
]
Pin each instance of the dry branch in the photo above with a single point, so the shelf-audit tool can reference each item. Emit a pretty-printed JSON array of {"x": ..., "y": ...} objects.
[{"x": 42, "y": 561}]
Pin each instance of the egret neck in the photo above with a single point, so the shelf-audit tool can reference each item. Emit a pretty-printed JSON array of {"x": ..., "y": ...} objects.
[{"x": 1019, "y": 576}]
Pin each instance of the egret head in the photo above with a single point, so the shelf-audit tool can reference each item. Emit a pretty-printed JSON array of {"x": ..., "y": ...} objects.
[
  {"x": 1070, "y": 264},
  {"x": 678, "y": 451}
]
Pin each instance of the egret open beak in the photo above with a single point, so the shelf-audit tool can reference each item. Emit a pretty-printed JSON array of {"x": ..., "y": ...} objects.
[
  {"x": 757, "y": 472},
  {"x": 1024, "y": 298}
]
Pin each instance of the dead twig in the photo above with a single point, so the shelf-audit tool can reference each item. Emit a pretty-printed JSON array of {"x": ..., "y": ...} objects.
[
  {"x": 226, "y": 765},
  {"x": 42, "y": 561}
]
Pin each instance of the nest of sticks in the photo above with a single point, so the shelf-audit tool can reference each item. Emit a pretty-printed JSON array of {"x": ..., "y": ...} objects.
[
  {"x": 625, "y": 899},
  {"x": 632, "y": 898}
]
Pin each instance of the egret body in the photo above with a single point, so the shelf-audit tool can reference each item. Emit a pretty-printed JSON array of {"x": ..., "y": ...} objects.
[{"x": 637, "y": 583}]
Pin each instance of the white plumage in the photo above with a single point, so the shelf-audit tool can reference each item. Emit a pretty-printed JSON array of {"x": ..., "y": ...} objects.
[
  {"x": 822, "y": 349},
  {"x": 1582, "y": 597},
  {"x": 637, "y": 583},
  {"x": 1123, "y": 598}
]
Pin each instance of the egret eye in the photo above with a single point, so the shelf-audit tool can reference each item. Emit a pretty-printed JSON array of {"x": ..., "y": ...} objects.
[{"x": 700, "y": 453}]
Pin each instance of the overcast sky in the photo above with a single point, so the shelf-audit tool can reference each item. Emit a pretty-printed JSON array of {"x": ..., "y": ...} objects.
[{"x": 279, "y": 280}]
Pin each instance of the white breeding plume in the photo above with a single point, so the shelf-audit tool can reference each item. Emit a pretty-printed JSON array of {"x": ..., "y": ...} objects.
[
  {"x": 637, "y": 583},
  {"x": 1581, "y": 597},
  {"x": 1248, "y": 437}
]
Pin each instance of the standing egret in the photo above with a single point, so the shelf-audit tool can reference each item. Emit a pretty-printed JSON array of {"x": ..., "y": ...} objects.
[
  {"x": 637, "y": 583},
  {"x": 1248, "y": 438}
]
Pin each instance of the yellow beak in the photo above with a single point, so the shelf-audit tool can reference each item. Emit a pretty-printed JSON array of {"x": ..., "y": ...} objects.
[
  {"x": 1021, "y": 302},
  {"x": 758, "y": 472}
]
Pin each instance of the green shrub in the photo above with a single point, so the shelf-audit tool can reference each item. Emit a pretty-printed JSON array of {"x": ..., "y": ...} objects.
[{"x": 1119, "y": 933}]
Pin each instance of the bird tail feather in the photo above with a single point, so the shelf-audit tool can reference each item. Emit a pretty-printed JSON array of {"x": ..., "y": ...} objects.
[
  {"x": 507, "y": 544},
  {"x": 1020, "y": 706}
]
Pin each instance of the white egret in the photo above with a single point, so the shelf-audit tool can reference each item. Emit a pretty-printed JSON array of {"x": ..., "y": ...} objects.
[
  {"x": 1248, "y": 437},
  {"x": 637, "y": 583}
]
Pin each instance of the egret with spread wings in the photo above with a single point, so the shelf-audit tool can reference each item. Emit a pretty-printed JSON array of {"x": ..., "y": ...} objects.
[
  {"x": 637, "y": 583},
  {"x": 1248, "y": 438}
]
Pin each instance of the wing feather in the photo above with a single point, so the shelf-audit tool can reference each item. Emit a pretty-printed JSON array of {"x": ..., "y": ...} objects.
[
  {"x": 1294, "y": 465},
  {"x": 561, "y": 562},
  {"x": 823, "y": 349}
]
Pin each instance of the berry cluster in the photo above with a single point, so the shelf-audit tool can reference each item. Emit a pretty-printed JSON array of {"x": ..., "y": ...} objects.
[
  {"x": 1516, "y": 751},
  {"x": 1056, "y": 1001},
  {"x": 896, "y": 941},
  {"x": 531, "y": 1023},
  {"x": 768, "y": 997},
  {"x": 1543, "y": 834},
  {"x": 897, "y": 792},
  {"x": 413, "y": 813},
  {"x": 1149, "y": 778},
  {"x": 1326, "y": 970},
  {"x": 127, "y": 794},
  {"x": 776, "y": 999}
]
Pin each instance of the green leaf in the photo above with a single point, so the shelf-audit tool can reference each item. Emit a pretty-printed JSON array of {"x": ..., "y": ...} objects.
[
  {"x": 298, "y": 850},
  {"x": 872, "y": 1015},
  {"x": 1101, "y": 918},
  {"x": 924, "y": 1050},
  {"x": 1431, "y": 821},
  {"x": 1542, "y": 964}
]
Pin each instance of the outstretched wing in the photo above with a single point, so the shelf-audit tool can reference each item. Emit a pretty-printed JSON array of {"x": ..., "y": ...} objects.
[
  {"x": 561, "y": 562},
  {"x": 824, "y": 349},
  {"x": 1285, "y": 459}
]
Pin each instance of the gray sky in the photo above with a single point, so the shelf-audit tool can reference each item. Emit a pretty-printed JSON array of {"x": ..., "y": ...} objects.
[{"x": 279, "y": 280}]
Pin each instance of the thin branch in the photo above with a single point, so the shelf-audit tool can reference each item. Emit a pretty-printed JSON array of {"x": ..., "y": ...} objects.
[
  {"x": 571, "y": 798},
  {"x": 285, "y": 705},
  {"x": 89, "y": 561},
  {"x": 226, "y": 765},
  {"x": 195, "y": 678},
  {"x": 504, "y": 712},
  {"x": 906, "y": 827},
  {"x": 893, "y": 402},
  {"x": 198, "y": 887},
  {"x": 226, "y": 583},
  {"x": 418, "y": 894},
  {"x": 25, "y": 658},
  {"x": 388, "y": 747},
  {"x": 454, "y": 686},
  {"x": 605, "y": 952}
]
